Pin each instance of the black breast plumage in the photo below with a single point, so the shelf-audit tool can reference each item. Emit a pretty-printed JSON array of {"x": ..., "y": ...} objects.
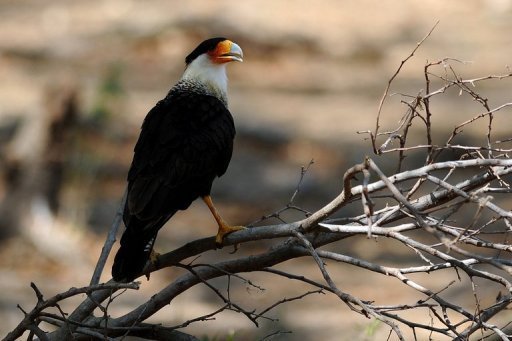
[{"x": 186, "y": 142}]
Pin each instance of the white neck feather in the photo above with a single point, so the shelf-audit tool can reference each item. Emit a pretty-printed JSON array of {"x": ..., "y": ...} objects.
[{"x": 212, "y": 75}]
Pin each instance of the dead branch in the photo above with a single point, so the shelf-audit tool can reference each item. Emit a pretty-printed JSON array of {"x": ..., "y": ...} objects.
[{"x": 451, "y": 215}]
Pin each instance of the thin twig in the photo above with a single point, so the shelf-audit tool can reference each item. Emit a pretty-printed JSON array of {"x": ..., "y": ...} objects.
[{"x": 109, "y": 242}]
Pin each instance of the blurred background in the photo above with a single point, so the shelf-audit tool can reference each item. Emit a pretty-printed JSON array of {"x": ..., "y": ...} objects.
[{"x": 78, "y": 77}]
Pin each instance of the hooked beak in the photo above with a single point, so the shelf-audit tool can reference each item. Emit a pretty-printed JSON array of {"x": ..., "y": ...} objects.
[{"x": 228, "y": 51}]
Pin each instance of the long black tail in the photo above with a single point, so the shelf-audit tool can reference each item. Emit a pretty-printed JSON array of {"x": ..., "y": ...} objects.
[
  {"x": 136, "y": 246},
  {"x": 132, "y": 256}
]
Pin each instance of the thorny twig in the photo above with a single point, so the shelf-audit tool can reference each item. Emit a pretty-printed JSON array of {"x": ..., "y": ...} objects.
[{"x": 421, "y": 208}]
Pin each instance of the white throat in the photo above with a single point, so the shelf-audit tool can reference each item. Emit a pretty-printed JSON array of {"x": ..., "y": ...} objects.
[{"x": 212, "y": 75}]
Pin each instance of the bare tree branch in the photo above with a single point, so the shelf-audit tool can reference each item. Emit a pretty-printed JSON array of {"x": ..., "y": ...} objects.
[
  {"x": 109, "y": 242},
  {"x": 450, "y": 212}
]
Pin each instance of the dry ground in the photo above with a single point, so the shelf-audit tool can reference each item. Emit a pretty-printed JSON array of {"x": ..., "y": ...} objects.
[{"x": 313, "y": 75}]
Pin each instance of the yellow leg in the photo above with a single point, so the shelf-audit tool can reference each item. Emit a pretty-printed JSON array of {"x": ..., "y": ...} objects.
[{"x": 224, "y": 228}]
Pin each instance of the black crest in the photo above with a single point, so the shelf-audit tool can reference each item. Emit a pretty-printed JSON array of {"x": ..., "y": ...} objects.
[{"x": 205, "y": 46}]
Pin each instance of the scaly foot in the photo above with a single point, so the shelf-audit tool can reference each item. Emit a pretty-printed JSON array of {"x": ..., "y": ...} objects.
[
  {"x": 225, "y": 229},
  {"x": 153, "y": 259}
]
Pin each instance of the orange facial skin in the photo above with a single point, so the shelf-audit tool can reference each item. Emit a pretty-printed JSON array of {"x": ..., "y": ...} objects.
[{"x": 226, "y": 51}]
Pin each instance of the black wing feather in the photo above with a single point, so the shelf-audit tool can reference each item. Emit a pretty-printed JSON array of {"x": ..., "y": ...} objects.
[{"x": 186, "y": 141}]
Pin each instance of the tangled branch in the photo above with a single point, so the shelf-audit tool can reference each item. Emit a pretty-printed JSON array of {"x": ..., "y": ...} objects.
[{"x": 450, "y": 212}]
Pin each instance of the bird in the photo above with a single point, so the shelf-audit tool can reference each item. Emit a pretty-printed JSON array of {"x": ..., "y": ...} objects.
[{"x": 185, "y": 143}]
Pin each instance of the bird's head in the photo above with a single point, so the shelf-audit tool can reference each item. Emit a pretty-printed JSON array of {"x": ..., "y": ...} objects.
[
  {"x": 217, "y": 51},
  {"x": 206, "y": 64}
]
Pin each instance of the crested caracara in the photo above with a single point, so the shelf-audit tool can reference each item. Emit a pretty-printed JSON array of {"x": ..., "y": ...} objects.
[{"x": 186, "y": 141}]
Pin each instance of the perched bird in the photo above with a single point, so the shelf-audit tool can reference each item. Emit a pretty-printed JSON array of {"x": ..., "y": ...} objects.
[{"x": 186, "y": 141}]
